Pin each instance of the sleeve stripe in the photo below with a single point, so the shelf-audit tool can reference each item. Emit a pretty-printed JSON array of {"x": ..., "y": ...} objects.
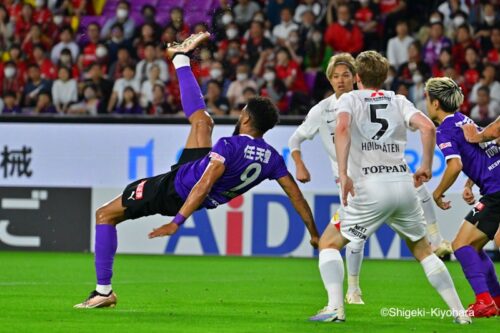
[{"x": 452, "y": 156}]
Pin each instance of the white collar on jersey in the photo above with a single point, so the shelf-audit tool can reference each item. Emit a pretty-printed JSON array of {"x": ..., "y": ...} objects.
[
  {"x": 251, "y": 137},
  {"x": 450, "y": 116}
]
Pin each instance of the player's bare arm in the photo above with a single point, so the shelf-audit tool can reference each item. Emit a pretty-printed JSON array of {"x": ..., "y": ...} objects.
[
  {"x": 214, "y": 171},
  {"x": 491, "y": 132},
  {"x": 301, "y": 206},
  {"x": 453, "y": 169},
  {"x": 342, "y": 147},
  {"x": 467, "y": 194},
  {"x": 301, "y": 173},
  {"x": 428, "y": 137}
]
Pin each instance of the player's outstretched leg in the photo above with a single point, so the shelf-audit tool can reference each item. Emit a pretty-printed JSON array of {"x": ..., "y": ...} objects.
[
  {"x": 478, "y": 270},
  {"x": 440, "y": 246},
  {"x": 107, "y": 217},
  {"x": 192, "y": 100},
  {"x": 331, "y": 268},
  {"x": 439, "y": 278}
]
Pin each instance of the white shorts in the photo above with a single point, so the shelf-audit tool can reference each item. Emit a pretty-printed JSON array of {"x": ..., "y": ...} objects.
[{"x": 375, "y": 202}]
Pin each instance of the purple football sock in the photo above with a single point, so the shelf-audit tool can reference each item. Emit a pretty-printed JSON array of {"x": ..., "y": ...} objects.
[
  {"x": 191, "y": 97},
  {"x": 473, "y": 268},
  {"x": 105, "y": 249},
  {"x": 491, "y": 275}
]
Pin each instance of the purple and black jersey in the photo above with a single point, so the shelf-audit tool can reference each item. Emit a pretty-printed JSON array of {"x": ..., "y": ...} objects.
[
  {"x": 248, "y": 162},
  {"x": 481, "y": 162}
]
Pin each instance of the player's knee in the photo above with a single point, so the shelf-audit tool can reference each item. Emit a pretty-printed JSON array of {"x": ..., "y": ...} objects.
[
  {"x": 102, "y": 216},
  {"x": 457, "y": 244},
  {"x": 204, "y": 124}
]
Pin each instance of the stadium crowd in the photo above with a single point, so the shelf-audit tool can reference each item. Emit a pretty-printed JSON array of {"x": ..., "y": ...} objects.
[{"x": 51, "y": 62}]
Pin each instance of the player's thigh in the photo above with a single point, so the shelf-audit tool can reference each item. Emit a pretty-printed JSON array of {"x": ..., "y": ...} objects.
[
  {"x": 408, "y": 217},
  {"x": 332, "y": 238},
  {"x": 365, "y": 213},
  {"x": 112, "y": 212},
  {"x": 469, "y": 234},
  {"x": 200, "y": 134},
  {"x": 485, "y": 217}
]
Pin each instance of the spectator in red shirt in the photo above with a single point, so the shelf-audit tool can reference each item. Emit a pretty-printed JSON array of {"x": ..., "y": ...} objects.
[
  {"x": 12, "y": 81},
  {"x": 6, "y": 28},
  {"x": 89, "y": 50},
  {"x": 146, "y": 36},
  {"x": 15, "y": 7},
  {"x": 391, "y": 12},
  {"x": 493, "y": 55},
  {"x": 274, "y": 88},
  {"x": 366, "y": 18},
  {"x": 445, "y": 60},
  {"x": 47, "y": 68},
  {"x": 343, "y": 36},
  {"x": 462, "y": 41},
  {"x": 23, "y": 23},
  {"x": 42, "y": 15},
  {"x": 66, "y": 60},
  {"x": 256, "y": 42},
  {"x": 35, "y": 36},
  {"x": 177, "y": 22},
  {"x": 16, "y": 56},
  {"x": 124, "y": 59},
  {"x": 472, "y": 68},
  {"x": 292, "y": 76}
]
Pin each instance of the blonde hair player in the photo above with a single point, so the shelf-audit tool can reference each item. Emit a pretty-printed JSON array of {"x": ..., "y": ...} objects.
[
  {"x": 481, "y": 163},
  {"x": 340, "y": 72},
  {"x": 375, "y": 181}
]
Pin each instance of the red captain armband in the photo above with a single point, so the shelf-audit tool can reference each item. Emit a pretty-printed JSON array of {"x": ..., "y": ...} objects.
[{"x": 179, "y": 219}]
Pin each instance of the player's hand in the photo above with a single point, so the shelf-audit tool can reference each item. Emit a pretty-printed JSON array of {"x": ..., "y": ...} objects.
[
  {"x": 164, "y": 230},
  {"x": 422, "y": 175},
  {"x": 347, "y": 187},
  {"x": 468, "y": 196},
  {"x": 303, "y": 174},
  {"x": 471, "y": 134},
  {"x": 314, "y": 241},
  {"x": 438, "y": 199}
]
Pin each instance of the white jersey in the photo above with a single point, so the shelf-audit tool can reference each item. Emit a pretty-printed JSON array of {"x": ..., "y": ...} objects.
[
  {"x": 379, "y": 120},
  {"x": 322, "y": 119}
]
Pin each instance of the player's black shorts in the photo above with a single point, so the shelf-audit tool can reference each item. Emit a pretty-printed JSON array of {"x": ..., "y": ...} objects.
[
  {"x": 486, "y": 214},
  {"x": 157, "y": 195}
]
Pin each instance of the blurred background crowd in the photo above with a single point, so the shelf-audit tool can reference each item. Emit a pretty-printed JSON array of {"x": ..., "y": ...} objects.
[{"x": 101, "y": 57}]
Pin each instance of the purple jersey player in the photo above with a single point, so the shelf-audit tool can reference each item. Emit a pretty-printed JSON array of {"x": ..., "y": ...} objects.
[
  {"x": 204, "y": 177},
  {"x": 481, "y": 163}
]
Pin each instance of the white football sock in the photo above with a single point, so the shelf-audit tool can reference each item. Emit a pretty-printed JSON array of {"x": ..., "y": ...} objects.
[
  {"x": 103, "y": 289},
  {"x": 426, "y": 202},
  {"x": 181, "y": 60},
  {"x": 440, "y": 279},
  {"x": 331, "y": 268},
  {"x": 354, "y": 257}
]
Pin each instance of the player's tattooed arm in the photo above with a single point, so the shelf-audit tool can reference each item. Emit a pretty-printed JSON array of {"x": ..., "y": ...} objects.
[
  {"x": 301, "y": 206},
  {"x": 199, "y": 192},
  {"x": 491, "y": 132},
  {"x": 467, "y": 194},
  {"x": 453, "y": 169}
]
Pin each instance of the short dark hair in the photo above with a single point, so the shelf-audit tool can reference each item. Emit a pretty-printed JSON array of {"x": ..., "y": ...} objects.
[{"x": 263, "y": 113}]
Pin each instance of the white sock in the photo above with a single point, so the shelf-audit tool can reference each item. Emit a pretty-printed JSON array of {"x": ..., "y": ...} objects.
[
  {"x": 440, "y": 279},
  {"x": 331, "y": 268},
  {"x": 103, "y": 289},
  {"x": 354, "y": 257},
  {"x": 181, "y": 60},
  {"x": 433, "y": 233}
]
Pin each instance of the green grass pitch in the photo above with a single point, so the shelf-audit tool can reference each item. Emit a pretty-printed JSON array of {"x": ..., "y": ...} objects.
[{"x": 213, "y": 294}]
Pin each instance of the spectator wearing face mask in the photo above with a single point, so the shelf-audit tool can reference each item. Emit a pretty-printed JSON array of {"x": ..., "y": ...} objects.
[
  {"x": 66, "y": 60},
  {"x": 488, "y": 21},
  {"x": 12, "y": 81},
  {"x": 66, "y": 42},
  {"x": 232, "y": 35},
  {"x": 119, "y": 41},
  {"x": 217, "y": 74},
  {"x": 450, "y": 8},
  {"x": 232, "y": 58},
  {"x": 343, "y": 36},
  {"x": 243, "y": 81},
  {"x": 416, "y": 92},
  {"x": 274, "y": 88},
  {"x": 16, "y": 56},
  {"x": 90, "y": 103},
  {"x": 123, "y": 18},
  {"x": 221, "y": 17},
  {"x": 314, "y": 7}
]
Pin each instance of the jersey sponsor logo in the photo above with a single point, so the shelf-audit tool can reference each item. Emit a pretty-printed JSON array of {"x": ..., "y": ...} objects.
[
  {"x": 444, "y": 145},
  {"x": 384, "y": 147},
  {"x": 385, "y": 169},
  {"x": 494, "y": 165},
  {"x": 140, "y": 190},
  {"x": 359, "y": 232},
  {"x": 479, "y": 206},
  {"x": 216, "y": 157},
  {"x": 377, "y": 93}
]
